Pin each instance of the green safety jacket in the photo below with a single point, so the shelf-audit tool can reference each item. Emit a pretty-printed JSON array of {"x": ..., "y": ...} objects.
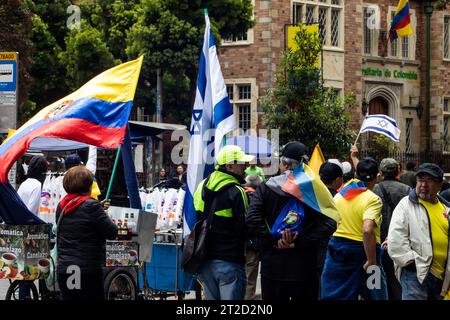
[{"x": 221, "y": 194}]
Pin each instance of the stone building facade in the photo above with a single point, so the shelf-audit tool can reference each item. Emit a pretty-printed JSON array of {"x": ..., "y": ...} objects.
[{"x": 357, "y": 58}]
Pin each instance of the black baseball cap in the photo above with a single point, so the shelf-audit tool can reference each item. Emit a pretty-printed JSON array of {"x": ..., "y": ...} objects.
[
  {"x": 294, "y": 150},
  {"x": 329, "y": 171},
  {"x": 431, "y": 169},
  {"x": 367, "y": 169}
]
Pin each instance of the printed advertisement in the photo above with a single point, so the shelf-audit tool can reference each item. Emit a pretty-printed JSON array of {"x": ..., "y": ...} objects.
[
  {"x": 24, "y": 251},
  {"x": 122, "y": 253}
]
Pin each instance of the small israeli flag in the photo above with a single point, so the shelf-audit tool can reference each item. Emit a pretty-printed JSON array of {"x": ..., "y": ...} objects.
[{"x": 383, "y": 124}]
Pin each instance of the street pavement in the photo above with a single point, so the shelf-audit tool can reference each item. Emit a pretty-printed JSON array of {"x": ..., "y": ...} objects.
[{"x": 4, "y": 284}]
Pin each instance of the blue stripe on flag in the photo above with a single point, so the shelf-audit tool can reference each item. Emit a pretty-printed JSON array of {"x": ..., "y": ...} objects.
[
  {"x": 306, "y": 187},
  {"x": 189, "y": 210},
  {"x": 222, "y": 110},
  {"x": 400, "y": 15},
  {"x": 385, "y": 118},
  {"x": 379, "y": 130},
  {"x": 212, "y": 42},
  {"x": 201, "y": 78}
]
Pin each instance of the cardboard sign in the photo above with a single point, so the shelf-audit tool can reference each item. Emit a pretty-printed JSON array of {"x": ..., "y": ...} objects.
[
  {"x": 122, "y": 253},
  {"x": 24, "y": 252}
]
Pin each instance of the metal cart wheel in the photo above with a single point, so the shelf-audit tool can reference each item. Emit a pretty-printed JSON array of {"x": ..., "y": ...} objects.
[
  {"x": 13, "y": 291},
  {"x": 120, "y": 285}
]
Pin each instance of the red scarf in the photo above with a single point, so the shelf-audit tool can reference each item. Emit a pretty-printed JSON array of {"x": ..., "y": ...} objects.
[{"x": 70, "y": 205}]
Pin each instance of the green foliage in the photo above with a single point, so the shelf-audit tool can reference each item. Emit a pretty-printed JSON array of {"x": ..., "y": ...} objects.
[
  {"x": 113, "y": 19},
  {"x": 86, "y": 55},
  {"x": 27, "y": 110},
  {"x": 46, "y": 69},
  {"x": 301, "y": 108},
  {"x": 378, "y": 144},
  {"x": 15, "y": 26},
  {"x": 168, "y": 32},
  {"x": 52, "y": 13}
]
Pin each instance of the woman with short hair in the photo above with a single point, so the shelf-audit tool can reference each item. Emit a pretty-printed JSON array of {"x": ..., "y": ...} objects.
[{"x": 83, "y": 227}]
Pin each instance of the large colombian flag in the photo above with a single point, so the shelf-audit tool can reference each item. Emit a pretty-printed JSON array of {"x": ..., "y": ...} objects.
[
  {"x": 307, "y": 187},
  {"x": 401, "y": 24},
  {"x": 96, "y": 114}
]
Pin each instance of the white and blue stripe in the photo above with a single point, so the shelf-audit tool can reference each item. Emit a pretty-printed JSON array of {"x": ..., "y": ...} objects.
[
  {"x": 212, "y": 110},
  {"x": 383, "y": 124}
]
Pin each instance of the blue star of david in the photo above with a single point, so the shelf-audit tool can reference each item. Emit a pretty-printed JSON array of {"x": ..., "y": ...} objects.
[{"x": 382, "y": 123}]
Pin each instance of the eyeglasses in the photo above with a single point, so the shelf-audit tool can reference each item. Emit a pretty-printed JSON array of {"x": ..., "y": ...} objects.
[{"x": 427, "y": 180}]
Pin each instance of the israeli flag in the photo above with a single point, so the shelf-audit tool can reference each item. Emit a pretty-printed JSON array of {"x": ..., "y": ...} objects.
[
  {"x": 212, "y": 119},
  {"x": 383, "y": 124}
]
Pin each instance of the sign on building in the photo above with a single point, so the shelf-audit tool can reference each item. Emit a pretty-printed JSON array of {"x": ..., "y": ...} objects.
[
  {"x": 8, "y": 90},
  {"x": 293, "y": 30}
]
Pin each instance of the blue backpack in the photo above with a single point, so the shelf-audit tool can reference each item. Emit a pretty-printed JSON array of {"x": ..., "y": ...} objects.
[{"x": 291, "y": 217}]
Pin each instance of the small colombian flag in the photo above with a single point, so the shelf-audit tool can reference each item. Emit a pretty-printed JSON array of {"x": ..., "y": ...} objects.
[{"x": 401, "y": 24}]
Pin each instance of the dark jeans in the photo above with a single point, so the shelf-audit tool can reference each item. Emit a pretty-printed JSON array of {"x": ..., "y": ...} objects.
[
  {"x": 289, "y": 290},
  {"x": 430, "y": 289},
  {"x": 91, "y": 287},
  {"x": 393, "y": 286}
]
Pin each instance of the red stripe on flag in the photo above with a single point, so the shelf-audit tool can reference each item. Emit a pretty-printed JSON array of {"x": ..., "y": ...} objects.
[
  {"x": 291, "y": 187},
  {"x": 403, "y": 23},
  {"x": 70, "y": 129}
]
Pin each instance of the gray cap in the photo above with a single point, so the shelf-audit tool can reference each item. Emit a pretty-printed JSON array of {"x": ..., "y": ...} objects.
[
  {"x": 388, "y": 165},
  {"x": 431, "y": 169}
]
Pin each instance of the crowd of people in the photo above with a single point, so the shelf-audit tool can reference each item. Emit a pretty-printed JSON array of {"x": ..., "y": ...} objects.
[{"x": 389, "y": 240}]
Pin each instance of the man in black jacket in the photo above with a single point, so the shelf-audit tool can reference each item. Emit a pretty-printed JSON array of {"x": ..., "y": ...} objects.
[
  {"x": 288, "y": 265},
  {"x": 221, "y": 199}
]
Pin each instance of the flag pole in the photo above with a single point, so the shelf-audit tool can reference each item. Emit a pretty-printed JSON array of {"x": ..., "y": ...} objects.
[
  {"x": 113, "y": 173},
  {"x": 359, "y": 133}
]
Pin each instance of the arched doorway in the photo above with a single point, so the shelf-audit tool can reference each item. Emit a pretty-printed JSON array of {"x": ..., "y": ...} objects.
[{"x": 379, "y": 105}]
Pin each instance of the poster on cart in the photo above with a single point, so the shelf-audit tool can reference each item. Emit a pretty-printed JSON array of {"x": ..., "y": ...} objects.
[
  {"x": 141, "y": 224},
  {"x": 24, "y": 251},
  {"x": 122, "y": 253}
]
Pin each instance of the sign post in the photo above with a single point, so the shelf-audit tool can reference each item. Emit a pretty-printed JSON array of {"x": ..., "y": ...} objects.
[{"x": 8, "y": 90}]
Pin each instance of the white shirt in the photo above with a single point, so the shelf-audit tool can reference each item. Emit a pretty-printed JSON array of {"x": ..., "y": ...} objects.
[{"x": 30, "y": 193}]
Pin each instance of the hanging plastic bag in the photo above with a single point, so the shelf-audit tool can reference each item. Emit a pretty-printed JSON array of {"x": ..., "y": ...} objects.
[{"x": 291, "y": 217}]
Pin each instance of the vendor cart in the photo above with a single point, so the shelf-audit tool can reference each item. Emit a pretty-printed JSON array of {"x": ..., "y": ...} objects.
[{"x": 164, "y": 275}]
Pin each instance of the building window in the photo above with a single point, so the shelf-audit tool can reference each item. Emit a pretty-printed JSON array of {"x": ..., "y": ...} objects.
[
  {"x": 328, "y": 13},
  {"x": 240, "y": 39},
  {"x": 368, "y": 36},
  {"x": 335, "y": 27},
  {"x": 323, "y": 24},
  {"x": 245, "y": 92},
  {"x": 404, "y": 47},
  {"x": 447, "y": 37},
  {"x": 243, "y": 37},
  {"x": 230, "y": 92},
  {"x": 243, "y": 95},
  {"x": 446, "y": 131},
  {"x": 244, "y": 117},
  {"x": 408, "y": 130},
  {"x": 296, "y": 13}
]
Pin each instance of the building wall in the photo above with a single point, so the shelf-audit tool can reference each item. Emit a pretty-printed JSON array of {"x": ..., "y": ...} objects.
[{"x": 343, "y": 67}]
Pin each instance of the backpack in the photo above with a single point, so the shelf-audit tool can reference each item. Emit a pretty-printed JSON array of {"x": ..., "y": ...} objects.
[
  {"x": 291, "y": 217},
  {"x": 194, "y": 250}
]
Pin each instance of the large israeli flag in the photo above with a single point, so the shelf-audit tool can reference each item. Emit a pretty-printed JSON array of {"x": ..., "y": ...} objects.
[
  {"x": 383, "y": 124},
  {"x": 212, "y": 118}
]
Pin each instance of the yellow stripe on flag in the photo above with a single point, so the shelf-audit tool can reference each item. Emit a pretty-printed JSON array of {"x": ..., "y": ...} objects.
[
  {"x": 117, "y": 84},
  {"x": 10, "y": 133},
  {"x": 323, "y": 196},
  {"x": 317, "y": 159}
]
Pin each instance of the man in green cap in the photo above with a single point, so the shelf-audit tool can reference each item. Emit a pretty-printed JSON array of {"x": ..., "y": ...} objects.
[{"x": 221, "y": 198}]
